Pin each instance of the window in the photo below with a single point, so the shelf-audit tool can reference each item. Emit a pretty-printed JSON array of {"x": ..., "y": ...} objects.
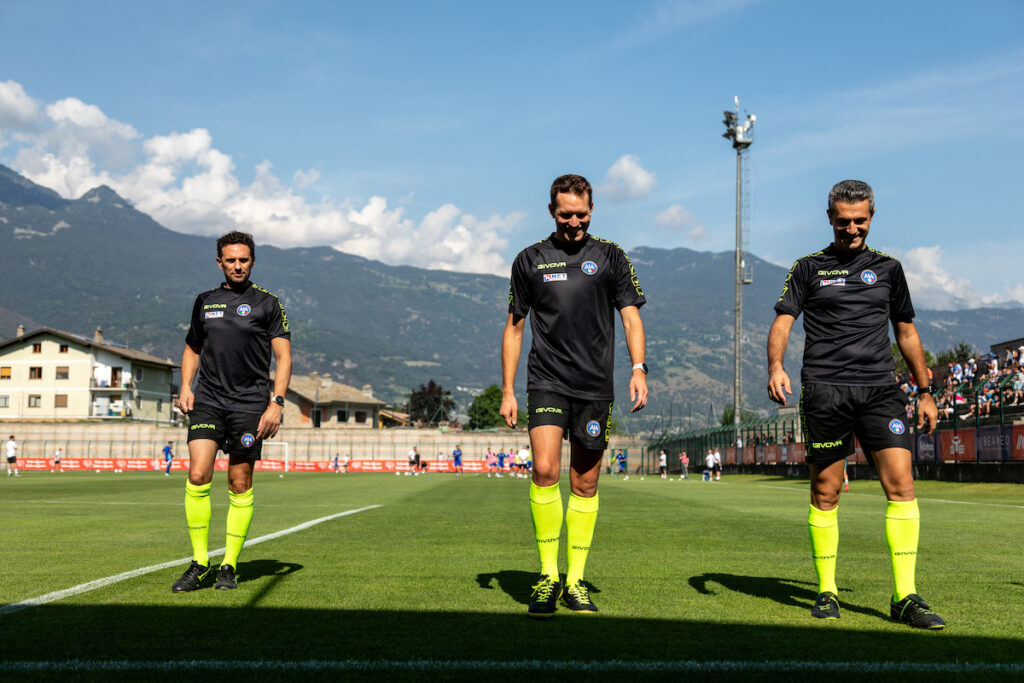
[
  {"x": 35, "y": 401},
  {"x": 60, "y": 401},
  {"x": 62, "y": 372},
  {"x": 63, "y": 348},
  {"x": 37, "y": 347},
  {"x": 5, "y": 372},
  {"x": 342, "y": 416},
  {"x": 5, "y": 401},
  {"x": 361, "y": 417},
  {"x": 35, "y": 372},
  {"x": 138, "y": 374}
]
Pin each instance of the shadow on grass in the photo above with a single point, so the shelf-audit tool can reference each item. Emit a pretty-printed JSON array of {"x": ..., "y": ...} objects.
[
  {"x": 783, "y": 591},
  {"x": 518, "y": 584}
]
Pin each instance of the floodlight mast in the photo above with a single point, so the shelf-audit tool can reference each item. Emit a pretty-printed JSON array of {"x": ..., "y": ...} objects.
[{"x": 741, "y": 135}]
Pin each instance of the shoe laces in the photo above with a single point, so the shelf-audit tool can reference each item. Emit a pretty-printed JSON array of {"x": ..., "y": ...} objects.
[
  {"x": 579, "y": 592},
  {"x": 194, "y": 570},
  {"x": 543, "y": 589}
]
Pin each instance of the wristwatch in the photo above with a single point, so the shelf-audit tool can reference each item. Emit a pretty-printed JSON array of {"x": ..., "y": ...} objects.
[
  {"x": 279, "y": 400},
  {"x": 926, "y": 390},
  {"x": 641, "y": 366}
]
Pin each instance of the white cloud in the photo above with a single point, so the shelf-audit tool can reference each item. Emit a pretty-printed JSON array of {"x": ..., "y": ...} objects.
[
  {"x": 678, "y": 216},
  {"x": 17, "y": 109},
  {"x": 187, "y": 184},
  {"x": 933, "y": 286},
  {"x": 627, "y": 179}
]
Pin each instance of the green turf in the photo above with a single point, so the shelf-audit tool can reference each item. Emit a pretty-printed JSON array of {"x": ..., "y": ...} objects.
[{"x": 442, "y": 571}]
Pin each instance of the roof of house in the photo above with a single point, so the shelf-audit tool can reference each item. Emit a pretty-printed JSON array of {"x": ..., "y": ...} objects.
[
  {"x": 330, "y": 391},
  {"x": 124, "y": 352}
]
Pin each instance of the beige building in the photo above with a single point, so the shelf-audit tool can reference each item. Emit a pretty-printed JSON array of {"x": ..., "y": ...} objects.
[
  {"x": 316, "y": 400},
  {"x": 50, "y": 374}
]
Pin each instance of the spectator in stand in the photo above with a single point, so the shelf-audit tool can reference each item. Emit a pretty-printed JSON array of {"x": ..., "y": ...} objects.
[
  {"x": 970, "y": 369},
  {"x": 958, "y": 372}
]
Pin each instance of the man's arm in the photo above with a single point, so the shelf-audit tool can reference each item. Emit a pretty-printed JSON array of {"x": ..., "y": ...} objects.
[
  {"x": 778, "y": 340},
  {"x": 189, "y": 366},
  {"x": 511, "y": 348},
  {"x": 636, "y": 342},
  {"x": 910, "y": 346},
  {"x": 270, "y": 421}
]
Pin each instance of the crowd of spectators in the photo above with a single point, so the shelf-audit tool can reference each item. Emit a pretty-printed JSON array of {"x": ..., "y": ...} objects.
[{"x": 970, "y": 388}]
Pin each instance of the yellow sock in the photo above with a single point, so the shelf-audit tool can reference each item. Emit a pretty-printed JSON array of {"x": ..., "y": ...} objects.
[
  {"x": 580, "y": 518},
  {"x": 197, "y": 516},
  {"x": 902, "y": 529},
  {"x": 239, "y": 518},
  {"x": 546, "y": 511},
  {"x": 824, "y": 529}
]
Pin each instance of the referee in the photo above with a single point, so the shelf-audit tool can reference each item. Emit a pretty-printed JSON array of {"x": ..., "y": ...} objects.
[
  {"x": 234, "y": 329},
  {"x": 848, "y": 294},
  {"x": 570, "y": 284}
]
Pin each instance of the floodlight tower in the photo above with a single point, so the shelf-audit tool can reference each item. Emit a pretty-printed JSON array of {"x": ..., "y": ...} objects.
[{"x": 741, "y": 135}]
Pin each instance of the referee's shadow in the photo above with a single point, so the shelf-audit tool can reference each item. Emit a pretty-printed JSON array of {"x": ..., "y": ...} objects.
[
  {"x": 783, "y": 591},
  {"x": 517, "y": 584}
]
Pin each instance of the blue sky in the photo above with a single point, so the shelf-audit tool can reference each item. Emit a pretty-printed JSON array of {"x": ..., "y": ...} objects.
[{"x": 428, "y": 133}]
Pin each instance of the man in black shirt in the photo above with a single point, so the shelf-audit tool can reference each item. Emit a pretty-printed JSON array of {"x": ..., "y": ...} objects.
[
  {"x": 570, "y": 284},
  {"x": 848, "y": 294},
  {"x": 234, "y": 329}
]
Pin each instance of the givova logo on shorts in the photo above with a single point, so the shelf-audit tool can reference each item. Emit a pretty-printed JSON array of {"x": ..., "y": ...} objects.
[{"x": 247, "y": 439}]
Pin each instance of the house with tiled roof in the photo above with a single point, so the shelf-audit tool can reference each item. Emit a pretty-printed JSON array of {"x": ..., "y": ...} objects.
[{"x": 51, "y": 374}]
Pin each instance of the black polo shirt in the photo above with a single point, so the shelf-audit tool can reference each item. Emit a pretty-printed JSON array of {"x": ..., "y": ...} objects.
[
  {"x": 232, "y": 332},
  {"x": 848, "y": 301},
  {"x": 571, "y": 290}
]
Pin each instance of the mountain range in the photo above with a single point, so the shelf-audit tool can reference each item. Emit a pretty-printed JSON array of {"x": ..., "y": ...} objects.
[{"x": 97, "y": 261}]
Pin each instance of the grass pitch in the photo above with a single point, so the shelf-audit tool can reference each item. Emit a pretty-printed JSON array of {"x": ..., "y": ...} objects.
[{"x": 691, "y": 577}]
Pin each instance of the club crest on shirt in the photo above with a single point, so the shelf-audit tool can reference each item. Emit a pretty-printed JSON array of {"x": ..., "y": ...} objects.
[
  {"x": 869, "y": 277},
  {"x": 897, "y": 426},
  {"x": 243, "y": 310},
  {"x": 247, "y": 439},
  {"x": 594, "y": 428},
  {"x": 555, "y": 277},
  {"x": 588, "y": 267},
  {"x": 213, "y": 314}
]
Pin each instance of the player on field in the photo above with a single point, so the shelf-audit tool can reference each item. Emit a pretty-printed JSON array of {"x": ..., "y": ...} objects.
[
  {"x": 57, "y": 457},
  {"x": 168, "y": 451},
  {"x": 663, "y": 464},
  {"x": 684, "y": 465},
  {"x": 235, "y": 327},
  {"x": 457, "y": 460},
  {"x": 849, "y": 294},
  {"x": 12, "y": 457},
  {"x": 570, "y": 284}
]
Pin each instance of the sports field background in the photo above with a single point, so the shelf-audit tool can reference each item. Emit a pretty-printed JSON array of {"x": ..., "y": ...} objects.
[{"x": 441, "y": 573}]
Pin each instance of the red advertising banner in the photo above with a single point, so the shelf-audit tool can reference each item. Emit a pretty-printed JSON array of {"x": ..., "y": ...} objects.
[
  {"x": 957, "y": 445},
  {"x": 771, "y": 453},
  {"x": 1018, "y": 442}
]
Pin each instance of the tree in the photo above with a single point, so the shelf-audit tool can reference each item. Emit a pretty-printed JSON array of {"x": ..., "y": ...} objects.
[
  {"x": 901, "y": 362},
  {"x": 483, "y": 412},
  {"x": 962, "y": 351},
  {"x": 430, "y": 404},
  {"x": 729, "y": 412}
]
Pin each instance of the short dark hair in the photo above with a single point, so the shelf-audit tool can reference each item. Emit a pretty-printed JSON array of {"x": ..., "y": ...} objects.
[
  {"x": 851, "y": 192},
  {"x": 236, "y": 237},
  {"x": 572, "y": 184}
]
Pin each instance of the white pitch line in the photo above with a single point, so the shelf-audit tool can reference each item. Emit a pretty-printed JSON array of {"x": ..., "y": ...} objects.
[
  {"x": 440, "y": 665},
  {"x": 873, "y": 495},
  {"x": 123, "y": 576}
]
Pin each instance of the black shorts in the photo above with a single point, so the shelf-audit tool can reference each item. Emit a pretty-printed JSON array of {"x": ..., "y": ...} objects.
[
  {"x": 833, "y": 415},
  {"x": 235, "y": 433},
  {"x": 582, "y": 422},
  {"x": 12, "y": 459}
]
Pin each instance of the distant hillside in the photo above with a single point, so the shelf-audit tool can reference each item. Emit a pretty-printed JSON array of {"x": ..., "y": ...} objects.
[{"x": 76, "y": 264}]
